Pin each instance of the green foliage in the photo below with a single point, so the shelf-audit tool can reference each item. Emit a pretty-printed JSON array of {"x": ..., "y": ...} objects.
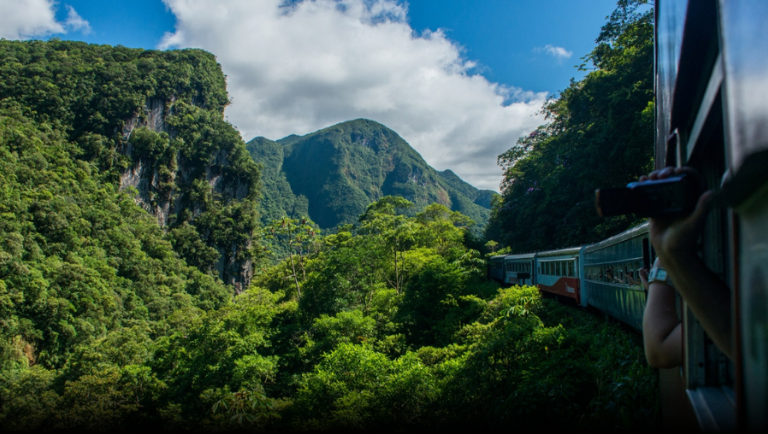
[
  {"x": 600, "y": 134},
  {"x": 80, "y": 258},
  {"x": 332, "y": 175},
  {"x": 110, "y": 322},
  {"x": 155, "y": 115}
]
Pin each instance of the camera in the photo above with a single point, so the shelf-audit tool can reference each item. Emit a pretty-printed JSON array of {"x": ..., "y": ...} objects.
[{"x": 675, "y": 196}]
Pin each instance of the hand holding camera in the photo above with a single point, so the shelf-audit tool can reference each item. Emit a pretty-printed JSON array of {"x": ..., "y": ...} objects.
[{"x": 671, "y": 197}]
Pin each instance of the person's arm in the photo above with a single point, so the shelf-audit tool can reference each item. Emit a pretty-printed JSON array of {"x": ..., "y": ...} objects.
[
  {"x": 662, "y": 331},
  {"x": 675, "y": 243},
  {"x": 707, "y": 296}
]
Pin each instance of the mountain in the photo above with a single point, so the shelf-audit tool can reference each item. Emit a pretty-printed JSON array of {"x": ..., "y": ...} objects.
[
  {"x": 151, "y": 123},
  {"x": 332, "y": 175}
]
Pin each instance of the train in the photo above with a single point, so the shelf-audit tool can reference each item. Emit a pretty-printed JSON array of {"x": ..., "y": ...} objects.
[
  {"x": 711, "y": 113},
  {"x": 604, "y": 276}
]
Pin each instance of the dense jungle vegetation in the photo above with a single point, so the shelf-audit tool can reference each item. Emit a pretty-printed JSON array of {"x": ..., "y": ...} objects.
[
  {"x": 112, "y": 321},
  {"x": 599, "y": 134}
]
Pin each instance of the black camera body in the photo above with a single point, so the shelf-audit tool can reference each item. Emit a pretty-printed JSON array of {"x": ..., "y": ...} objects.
[{"x": 675, "y": 196}]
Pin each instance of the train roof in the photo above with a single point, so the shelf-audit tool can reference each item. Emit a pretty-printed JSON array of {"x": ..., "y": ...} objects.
[
  {"x": 498, "y": 258},
  {"x": 561, "y": 252},
  {"x": 520, "y": 256},
  {"x": 626, "y": 235}
]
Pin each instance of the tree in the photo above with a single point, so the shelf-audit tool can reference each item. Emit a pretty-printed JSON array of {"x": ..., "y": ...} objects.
[{"x": 295, "y": 235}]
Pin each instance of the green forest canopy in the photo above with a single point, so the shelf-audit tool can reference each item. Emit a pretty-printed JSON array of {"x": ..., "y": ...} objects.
[{"x": 110, "y": 321}]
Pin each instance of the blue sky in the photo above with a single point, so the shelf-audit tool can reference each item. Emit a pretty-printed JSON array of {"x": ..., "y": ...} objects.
[
  {"x": 500, "y": 35},
  {"x": 459, "y": 80}
]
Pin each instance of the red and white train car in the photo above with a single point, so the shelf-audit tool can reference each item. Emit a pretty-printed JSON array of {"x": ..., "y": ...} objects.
[{"x": 557, "y": 273}]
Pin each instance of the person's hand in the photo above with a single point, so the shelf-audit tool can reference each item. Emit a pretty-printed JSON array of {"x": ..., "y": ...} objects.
[
  {"x": 678, "y": 236},
  {"x": 644, "y": 278}
]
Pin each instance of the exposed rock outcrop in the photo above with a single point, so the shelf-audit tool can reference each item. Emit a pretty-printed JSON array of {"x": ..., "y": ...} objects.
[{"x": 166, "y": 203}]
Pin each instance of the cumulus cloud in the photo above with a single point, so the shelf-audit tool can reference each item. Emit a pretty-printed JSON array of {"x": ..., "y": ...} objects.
[
  {"x": 558, "y": 53},
  {"x": 298, "y": 66},
  {"x": 24, "y": 19}
]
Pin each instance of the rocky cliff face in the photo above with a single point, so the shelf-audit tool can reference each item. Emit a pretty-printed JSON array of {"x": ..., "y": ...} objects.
[
  {"x": 143, "y": 174},
  {"x": 151, "y": 177}
]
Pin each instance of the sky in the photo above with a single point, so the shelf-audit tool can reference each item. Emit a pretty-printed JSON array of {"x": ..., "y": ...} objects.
[{"x": 460, "y": 80}]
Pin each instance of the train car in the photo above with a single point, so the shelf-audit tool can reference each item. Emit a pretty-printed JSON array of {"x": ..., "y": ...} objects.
[
  {"x": 711, "y": 72},
  {"x": 557, "y": 273},
  {"x": 519, "y": 269},
  {"x": 610, "y": 281},
  {"x": 496, "y": 268}
]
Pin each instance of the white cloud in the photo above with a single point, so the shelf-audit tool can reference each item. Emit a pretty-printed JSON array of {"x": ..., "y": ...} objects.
[
  {"x": 558, "y": 53},
  {"x": 24, "y": 19},
  {"x": 311, "y": 64},
  {"x": 76, "y": 22}
]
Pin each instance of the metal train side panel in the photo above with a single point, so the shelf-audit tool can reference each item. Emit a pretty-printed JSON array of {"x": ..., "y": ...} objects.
[
  {"x": 754, "y": 309},
  {"x": 744, "y": 44},
  {"x": 582, "y": 289},
  {"x": 557, "y": 273},
  {"x": 611, "y": 282},
  {"x": 496, "y": 268},
  {"x": 519, "y": 269}
]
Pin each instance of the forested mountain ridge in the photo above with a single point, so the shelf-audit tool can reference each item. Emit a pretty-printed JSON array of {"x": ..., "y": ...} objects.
[
  {"x": 152, "y": 121},
  {"x": 87, "y": 133},
  {"x": 332, "y": 175}
]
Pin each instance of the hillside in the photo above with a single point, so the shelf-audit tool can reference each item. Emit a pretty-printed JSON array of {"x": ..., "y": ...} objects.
[
  {"x": 335, "y": 173},
  {"x": 125, "y": 195}
]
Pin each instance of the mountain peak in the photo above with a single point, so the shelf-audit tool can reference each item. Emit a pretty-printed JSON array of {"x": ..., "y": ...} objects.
[{"x": 341, "y": 169}]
